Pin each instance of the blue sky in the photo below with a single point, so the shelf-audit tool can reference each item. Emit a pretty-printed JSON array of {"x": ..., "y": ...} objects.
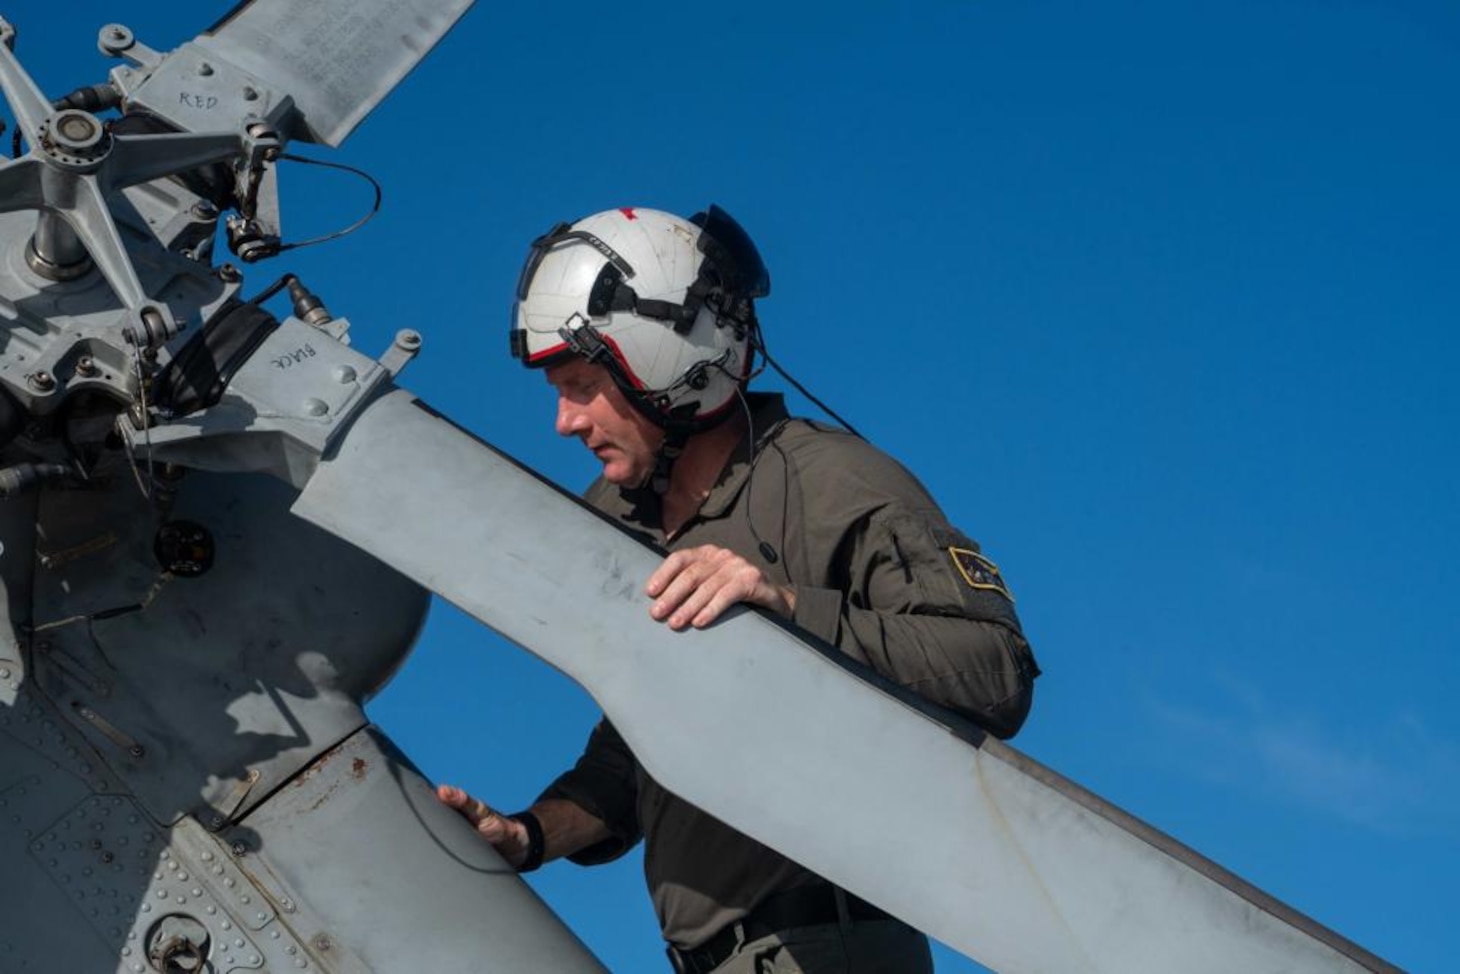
[{"x": 1160, "y": 300}]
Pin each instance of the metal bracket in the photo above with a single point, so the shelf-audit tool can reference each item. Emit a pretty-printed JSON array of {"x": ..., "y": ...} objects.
[
  {"x": 117, "y": 40},
  {"x": 402, "y": 352},
  {"x": 110, "y": 731},
  {"x": 202, "y": 90},
  {"x": 298, "y": 391}
]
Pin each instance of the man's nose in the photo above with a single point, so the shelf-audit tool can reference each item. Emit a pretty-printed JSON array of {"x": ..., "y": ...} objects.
[{"x": 571, "y": 419}]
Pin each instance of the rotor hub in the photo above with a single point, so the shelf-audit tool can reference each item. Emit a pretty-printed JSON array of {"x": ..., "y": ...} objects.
[{"x": 76, "y": 139}]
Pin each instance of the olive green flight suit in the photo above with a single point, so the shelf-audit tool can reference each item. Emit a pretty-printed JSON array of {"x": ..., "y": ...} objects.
[{"x": 879, "y": 573}]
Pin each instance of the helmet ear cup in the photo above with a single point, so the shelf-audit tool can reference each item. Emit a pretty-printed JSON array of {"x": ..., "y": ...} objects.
[{"x": 668, "y": 307}]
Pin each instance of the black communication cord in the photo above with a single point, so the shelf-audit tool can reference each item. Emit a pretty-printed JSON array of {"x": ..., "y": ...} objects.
[
  {"x": 374, "y": 209},
  {"x": 767, "y": 551},
  {"x": 272, "y": 289},
  {"x": 758, "y": 342}
]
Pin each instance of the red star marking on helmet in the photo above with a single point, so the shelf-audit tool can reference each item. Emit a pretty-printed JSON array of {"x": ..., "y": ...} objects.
[{"x": 628, "y": 212}]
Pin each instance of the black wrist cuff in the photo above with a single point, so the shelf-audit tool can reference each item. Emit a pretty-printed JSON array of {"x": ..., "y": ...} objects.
[{"x": 535, "y": 843}]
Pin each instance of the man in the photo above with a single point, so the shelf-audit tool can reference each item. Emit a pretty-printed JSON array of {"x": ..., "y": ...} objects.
[{"x": 645, "y": 325}]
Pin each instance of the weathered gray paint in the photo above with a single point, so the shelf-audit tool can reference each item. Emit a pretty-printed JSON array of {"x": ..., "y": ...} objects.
[
  {"x": 183, "y": 757},
  {"x": 404, "y": 885}
]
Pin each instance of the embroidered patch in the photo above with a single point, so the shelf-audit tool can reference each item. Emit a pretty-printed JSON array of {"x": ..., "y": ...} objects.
[{"x": 979, "y": 572}]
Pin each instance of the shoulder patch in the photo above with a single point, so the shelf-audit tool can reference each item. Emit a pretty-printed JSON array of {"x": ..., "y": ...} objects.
[{"x": 979, "y": 572}]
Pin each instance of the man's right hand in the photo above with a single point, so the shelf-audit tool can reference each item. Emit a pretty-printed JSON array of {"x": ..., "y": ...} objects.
[
  {"x": 695, "y": 586},
  {"x": 507, "y": 836}
]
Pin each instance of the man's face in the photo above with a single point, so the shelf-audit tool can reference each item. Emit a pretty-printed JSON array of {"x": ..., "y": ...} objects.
[{"x": 593, "y": 408}]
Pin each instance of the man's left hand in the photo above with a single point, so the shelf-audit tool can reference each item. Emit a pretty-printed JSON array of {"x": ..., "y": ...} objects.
[{"x": 696, "y": 585}]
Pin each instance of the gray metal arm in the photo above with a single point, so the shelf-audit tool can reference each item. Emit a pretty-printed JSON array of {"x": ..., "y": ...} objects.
[
  {"x": 29, "y": 103},
  {"x": 91, "y": 218},
  {"x": 143, "y": 158},
  {"x": 20, "y": 185}
]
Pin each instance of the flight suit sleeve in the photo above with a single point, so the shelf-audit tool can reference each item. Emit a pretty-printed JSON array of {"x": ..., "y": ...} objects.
[
  {"x": 604, "y": 783},
  {"x": 923, "y": 608},
  {"x": 910, "y": 595}
]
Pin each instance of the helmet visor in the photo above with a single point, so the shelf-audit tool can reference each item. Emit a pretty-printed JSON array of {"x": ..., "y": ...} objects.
[{"x": 727, "y": 244}]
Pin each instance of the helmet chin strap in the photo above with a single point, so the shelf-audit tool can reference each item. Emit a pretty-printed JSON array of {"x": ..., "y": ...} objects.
[
  {"x": 669, "y": 451},
  {"x": 679, "y": 423},
  {"x": 678, "y": 426}
]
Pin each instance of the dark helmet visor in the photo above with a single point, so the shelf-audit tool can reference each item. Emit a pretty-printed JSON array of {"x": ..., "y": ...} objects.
[{"x": 732, "y": 251}]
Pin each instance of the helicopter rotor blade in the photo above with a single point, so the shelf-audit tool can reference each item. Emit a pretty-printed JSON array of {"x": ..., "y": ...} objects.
[
  {"x": 910, "y": 808},
  {"x": 336, "y": 58}
]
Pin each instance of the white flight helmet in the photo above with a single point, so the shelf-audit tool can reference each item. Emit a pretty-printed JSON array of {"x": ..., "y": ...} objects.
[{"x": 666, "y": 304}]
